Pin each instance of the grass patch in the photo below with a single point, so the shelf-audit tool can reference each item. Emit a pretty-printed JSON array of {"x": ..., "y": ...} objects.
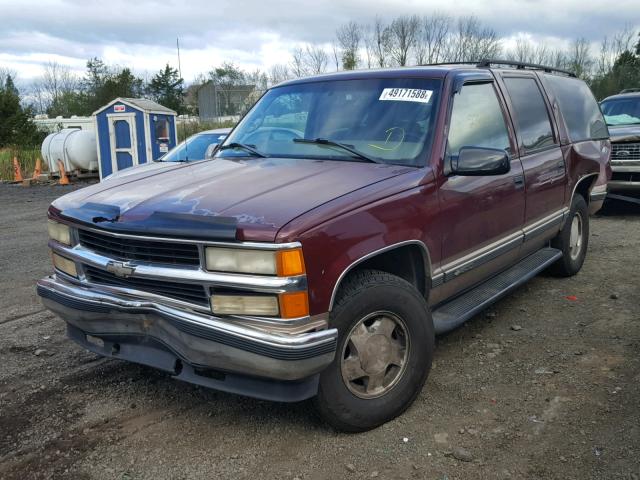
[{"x": 26, "y": 157}]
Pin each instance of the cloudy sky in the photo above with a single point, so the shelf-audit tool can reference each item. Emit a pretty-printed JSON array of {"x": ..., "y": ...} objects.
[{"x": 257, "y": 33}]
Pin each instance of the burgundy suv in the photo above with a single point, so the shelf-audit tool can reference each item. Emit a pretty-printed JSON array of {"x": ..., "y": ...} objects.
[{"x": 344, "y": 222}]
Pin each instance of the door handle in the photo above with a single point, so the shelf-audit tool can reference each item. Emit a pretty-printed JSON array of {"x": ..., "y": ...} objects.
[{"x": 519, "y": 181}]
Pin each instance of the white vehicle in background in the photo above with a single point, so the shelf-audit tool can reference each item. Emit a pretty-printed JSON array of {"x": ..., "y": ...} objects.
[{"x": 200, "y": 146}]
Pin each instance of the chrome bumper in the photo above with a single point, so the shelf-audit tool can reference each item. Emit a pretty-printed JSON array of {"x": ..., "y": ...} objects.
[
  {"x": 622, "y": 186},
  {"x": 202, "y": 341},
  {"x": 630, "y": 167}
]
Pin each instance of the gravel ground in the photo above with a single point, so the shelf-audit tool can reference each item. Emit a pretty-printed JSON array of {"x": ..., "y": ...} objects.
[{"x": 545, "y": 385}]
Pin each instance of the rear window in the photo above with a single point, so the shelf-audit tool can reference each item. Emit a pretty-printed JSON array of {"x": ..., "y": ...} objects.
[
  {"x": 579, "y": 108},
  {"x": 532, "y": 117}
]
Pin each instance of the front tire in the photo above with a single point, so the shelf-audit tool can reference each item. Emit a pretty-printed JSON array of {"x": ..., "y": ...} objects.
[
  {"x": 384, "y": 354},
  {"x": 572, "y": 240}
]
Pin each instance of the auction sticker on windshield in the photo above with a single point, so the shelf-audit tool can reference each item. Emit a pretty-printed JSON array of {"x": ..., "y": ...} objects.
[{"x": 406, "y": 95}]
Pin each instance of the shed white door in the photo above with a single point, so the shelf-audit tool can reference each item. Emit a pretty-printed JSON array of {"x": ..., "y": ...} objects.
[{"x": 123, "y": 141}]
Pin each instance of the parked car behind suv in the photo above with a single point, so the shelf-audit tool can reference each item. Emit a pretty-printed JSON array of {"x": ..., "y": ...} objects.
[
  {"x": 343, "y": 223},
  {"x": 199, "y": 146},
  {"x": 622, "y": 114}
]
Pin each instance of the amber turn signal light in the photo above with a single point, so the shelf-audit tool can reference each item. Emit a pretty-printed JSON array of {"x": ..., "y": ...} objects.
[
  {"x": 294, "y": 305},
  {"x": 290, "y": 262}
]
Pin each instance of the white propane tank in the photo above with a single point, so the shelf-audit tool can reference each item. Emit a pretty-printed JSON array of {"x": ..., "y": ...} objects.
[{"x": 76, "y": 148}]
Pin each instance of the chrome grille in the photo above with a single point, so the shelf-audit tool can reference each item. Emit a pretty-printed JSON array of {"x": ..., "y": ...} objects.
[
  {"x": 141, "y": 250},
  {"x": 187, "y": 292},
  {"x": 625, "y": 152}
]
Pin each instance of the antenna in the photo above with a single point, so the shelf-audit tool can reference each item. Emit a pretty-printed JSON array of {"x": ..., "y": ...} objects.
[{"x": 184, "y": 127}]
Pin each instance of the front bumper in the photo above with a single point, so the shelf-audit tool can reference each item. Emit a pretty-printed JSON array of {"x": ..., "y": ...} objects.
[
  {"x": 191, "y": 345},
  {"x": 625, "y": 176}
]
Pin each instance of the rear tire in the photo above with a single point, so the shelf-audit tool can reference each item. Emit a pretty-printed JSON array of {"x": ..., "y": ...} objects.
[
  {"x": 384, "y": 353},
  {"x": 572, "y": 240}
]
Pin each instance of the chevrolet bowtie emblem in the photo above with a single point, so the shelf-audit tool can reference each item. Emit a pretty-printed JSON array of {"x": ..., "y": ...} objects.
[{"x": 120, "y": 269}]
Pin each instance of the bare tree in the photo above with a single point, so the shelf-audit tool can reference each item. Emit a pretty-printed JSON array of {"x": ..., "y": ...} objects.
[
  {"x": 297, "y": 65},
  {"x": 39, "y": 96},
  {"x": 278, "y": 73},
  {"x": 611, "y": 49},
  {"x": 472, "y": 42},
  {"x": 432, "y": 38},
  {"x": 58, "y": 80},
  {"x": 403, "y": 34},
  {"x": 315, "y": 59},
  {"x": 381, "y": 38},
  {"x": 349, "y": 37},
  {"x": 580, "y": 61},
  {"x": 335, "y": 53},
  {"x": 559, "y": 59},
  {"x": 368, "y": 34}
]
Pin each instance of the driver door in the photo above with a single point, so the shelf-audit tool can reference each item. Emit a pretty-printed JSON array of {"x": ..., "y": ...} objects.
[{"x": 483, "y": 216}]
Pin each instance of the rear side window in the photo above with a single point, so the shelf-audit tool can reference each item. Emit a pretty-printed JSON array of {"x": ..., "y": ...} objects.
[
  {"x": 532, "y": 117},
  {"x": 579, "y": 108},
  {"x": 477, "y": 120}
]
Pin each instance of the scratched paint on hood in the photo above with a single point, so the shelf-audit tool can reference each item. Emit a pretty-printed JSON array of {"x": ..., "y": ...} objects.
[{"x": 262, "y": 194}]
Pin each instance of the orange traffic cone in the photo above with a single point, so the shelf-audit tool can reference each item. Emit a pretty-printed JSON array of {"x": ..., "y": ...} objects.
[
  {"x": 37, "y": 171},
  {"x": 17, "y": 174},
  {"x": 64, "y": 180}
]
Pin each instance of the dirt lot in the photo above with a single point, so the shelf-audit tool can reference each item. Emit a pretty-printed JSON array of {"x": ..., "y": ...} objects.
[{"x": 557, "y": 398}]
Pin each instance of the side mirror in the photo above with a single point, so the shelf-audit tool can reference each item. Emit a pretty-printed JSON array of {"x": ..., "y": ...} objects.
[{"x": 479, "y": 161}]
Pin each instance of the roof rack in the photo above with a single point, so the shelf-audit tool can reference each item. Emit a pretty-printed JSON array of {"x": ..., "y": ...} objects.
[
  {"x": 487, "y": 63},
  {"x": 630, "y": 90}
]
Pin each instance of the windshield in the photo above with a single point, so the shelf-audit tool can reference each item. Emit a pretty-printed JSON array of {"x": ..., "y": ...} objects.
[
  {"x": 193, "y": 148},
  {"x": 381, "y": 120},
  {"x": 623, "y": 111}
]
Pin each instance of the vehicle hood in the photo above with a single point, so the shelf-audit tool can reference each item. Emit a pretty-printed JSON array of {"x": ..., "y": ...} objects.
[
  {"x": 143, "y": 169},
  {"x": 625, "y": 133},
  {"x": 261, "y": 195}
]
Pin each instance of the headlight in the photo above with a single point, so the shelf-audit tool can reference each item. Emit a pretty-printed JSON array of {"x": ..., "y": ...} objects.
[
  {"x": 59, "y": 232},
  {"x": 261, "y": 305},
  {"x": 283, "y": 263},
  {"x": 64, "y": 264}
]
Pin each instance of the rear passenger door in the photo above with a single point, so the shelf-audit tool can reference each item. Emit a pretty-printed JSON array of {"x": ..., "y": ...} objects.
[{"x": 540, "y": 153}]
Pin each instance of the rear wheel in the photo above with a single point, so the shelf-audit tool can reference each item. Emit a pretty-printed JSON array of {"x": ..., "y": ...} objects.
[
  {"x": 385, "y": 348},
  {"x": 572, "y": 240}
]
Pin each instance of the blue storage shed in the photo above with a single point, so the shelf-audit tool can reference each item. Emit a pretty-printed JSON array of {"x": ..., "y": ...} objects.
[{"x": 132, "y": 131}]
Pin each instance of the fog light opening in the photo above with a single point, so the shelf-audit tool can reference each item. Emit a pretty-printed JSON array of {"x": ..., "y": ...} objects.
[
  {"x": 115, "y": 349},
  {"x": 95, "y": 341}
]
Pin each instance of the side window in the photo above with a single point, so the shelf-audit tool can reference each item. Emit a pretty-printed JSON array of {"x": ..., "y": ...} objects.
[
  {"x": 532, "y": 117},
  {"x": 579, "y": 108},
  {"x": 477, "y": 120}
]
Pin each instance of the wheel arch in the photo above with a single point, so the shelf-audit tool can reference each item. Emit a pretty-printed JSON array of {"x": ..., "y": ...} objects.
[
  {"x": 583, "y": 186},
  {"x": 386, "y": 259}
]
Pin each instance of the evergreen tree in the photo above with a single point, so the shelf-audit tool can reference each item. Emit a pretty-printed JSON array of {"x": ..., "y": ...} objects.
[
  {"x": 16, "y": 126},
  {"x": 167, "y": 88}
]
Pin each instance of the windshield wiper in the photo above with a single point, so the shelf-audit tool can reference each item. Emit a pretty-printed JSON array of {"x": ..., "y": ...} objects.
[
  {"x": 332, "y": 143},
  {"x": 243, "y": 146}
]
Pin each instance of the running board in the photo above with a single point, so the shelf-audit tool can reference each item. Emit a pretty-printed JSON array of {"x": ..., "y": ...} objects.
[{"x": 457, "y": 311}]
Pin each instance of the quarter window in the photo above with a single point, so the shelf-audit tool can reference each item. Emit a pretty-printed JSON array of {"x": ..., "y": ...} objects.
[
  {"x": 532, "y": 117},
  {"x": 579, "y": 109},
  {"x": 477, "y": 120}
]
